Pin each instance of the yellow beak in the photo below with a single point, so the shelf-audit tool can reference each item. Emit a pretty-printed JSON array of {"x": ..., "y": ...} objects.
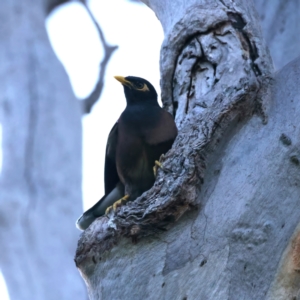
[{"x": 123, "y": 81}]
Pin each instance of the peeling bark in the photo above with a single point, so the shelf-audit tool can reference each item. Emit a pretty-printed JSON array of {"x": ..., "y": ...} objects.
[{"x": 221, "y": 180}]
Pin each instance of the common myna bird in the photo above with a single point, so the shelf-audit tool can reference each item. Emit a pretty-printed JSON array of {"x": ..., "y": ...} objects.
[{"x": 142, "y": 134}]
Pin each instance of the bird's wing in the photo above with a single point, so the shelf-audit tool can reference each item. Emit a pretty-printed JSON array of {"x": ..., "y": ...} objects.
[
  {"x": 114, "y": 189},
  {"x": 111, "y": 177},
  {"x": 163, "y": 129},
  {"x": 98, "y": 210}
]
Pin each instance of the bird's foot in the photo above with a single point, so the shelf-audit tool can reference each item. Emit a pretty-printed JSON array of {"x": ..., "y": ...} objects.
[
  {"x": 117, "y": 204},
  {"x": 157, "y": 165}
]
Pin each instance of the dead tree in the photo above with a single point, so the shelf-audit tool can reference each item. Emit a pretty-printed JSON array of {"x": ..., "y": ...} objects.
[{"x": 222, "y": 220}]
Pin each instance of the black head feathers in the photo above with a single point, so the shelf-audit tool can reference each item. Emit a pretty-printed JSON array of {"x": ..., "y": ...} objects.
[{"x": 137, "y": 89}]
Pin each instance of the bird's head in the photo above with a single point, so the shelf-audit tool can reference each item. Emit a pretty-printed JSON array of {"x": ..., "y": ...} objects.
[{"x": 138, "y": 90}]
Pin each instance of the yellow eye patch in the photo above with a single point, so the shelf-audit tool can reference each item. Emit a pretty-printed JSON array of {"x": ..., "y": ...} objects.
[
  {"x": 137, "y": 85},
  {"x": 144, "y": 88}
]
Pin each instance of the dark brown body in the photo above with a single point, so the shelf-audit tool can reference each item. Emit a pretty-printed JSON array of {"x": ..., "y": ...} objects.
[{"x": 143, "y": 133}]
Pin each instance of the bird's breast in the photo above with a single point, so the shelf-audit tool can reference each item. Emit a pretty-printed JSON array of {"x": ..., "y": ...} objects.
[
  {"x": 131, "y": 155},
  {"x": 145, "y": 132}
]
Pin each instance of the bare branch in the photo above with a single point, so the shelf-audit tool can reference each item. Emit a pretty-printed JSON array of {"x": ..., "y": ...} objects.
[{"x": 89, "y": 102}]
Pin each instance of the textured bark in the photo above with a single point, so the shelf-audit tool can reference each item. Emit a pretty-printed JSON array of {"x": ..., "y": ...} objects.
[
  {"x": 41, "y": 177},
  {"x": 230, "y": 186}
]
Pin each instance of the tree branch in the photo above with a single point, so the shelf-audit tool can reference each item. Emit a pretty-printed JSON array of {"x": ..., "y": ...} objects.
[{"x": 88, "y": 103}]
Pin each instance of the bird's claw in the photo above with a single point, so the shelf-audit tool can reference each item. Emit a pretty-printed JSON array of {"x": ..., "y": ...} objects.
[
  {"x": 157, "y": 165},
  {"x": 117, "y": 204}
]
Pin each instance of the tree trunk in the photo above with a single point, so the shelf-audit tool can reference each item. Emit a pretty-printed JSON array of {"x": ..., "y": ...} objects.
[
  {"x": 41, "y": 175},
  {"x": 229, "y": 192},
  {"x": 280, "y": 20}
]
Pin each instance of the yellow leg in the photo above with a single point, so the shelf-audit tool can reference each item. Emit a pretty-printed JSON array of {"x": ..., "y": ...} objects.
[
  {"x": 118, "y": 203},
  {"x": 157, "y": 165}
]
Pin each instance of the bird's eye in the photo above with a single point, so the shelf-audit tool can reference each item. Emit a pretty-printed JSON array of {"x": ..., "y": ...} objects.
[{"x": 139, "y": 85}]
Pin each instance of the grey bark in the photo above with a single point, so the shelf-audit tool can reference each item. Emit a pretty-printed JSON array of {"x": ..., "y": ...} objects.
[
  {"x": 229, "y": 192},
  {"x": 280, "y": 20},
  {"x": 40, "y": 185},
  {"x": 243, "y": 242}
]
